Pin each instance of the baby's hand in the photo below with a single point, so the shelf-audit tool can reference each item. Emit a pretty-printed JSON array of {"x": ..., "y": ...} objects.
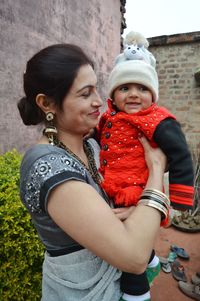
[{"x": 123, "y": 213}]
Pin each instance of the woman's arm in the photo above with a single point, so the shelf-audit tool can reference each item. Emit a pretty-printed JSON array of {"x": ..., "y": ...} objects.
[
  {"x": 81, "y": 212},
  {"x": 123, "y": 213}
]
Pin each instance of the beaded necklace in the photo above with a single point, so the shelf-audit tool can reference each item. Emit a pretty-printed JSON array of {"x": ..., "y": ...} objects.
[{"x": 92, "y": 169}]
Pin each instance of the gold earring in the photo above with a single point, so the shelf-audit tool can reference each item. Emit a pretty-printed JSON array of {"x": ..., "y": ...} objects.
[{"x": 50, "y": 131}]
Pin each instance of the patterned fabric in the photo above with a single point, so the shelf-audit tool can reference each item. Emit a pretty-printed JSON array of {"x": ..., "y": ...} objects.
[
  {"x": 42, "y": 169},
  {"x": 122, "y": 162},
  {"x": 48, "y": 167},
  {"x": 79, "y": 275}
]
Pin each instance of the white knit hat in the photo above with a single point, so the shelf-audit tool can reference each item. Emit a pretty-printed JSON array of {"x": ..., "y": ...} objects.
[{"x": 134, "y": 71}]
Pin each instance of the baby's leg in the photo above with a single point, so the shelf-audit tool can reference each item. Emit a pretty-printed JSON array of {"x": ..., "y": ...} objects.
[
  {"x": 135, "y": 287},
  {"x": 153, "y": 268}
]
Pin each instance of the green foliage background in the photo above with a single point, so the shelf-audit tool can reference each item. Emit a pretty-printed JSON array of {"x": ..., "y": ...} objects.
[{"x": 21, "y": 253}]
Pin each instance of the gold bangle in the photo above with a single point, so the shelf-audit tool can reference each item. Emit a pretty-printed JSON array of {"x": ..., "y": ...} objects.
[
  {"x": 155, "y": 198},
  {"x": 156, "y": 193},
  {"x": 163, "y": 214},
  {"x": 158, "y": 205},
  {"x": 164, "y": 211}
]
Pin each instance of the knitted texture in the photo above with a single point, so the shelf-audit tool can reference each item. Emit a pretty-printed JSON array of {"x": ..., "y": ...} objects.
[
  {"x": 134, "y": 71},
  {"x": 122, "y": 162}
]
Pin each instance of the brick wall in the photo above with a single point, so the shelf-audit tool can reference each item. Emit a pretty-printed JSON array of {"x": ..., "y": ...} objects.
[
  {"x": 178, "y": 57},
  {"x": 28, "y": 26}
]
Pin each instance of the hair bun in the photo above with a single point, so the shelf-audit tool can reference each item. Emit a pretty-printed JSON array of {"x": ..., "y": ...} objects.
[{"x": 26, "y": 110}]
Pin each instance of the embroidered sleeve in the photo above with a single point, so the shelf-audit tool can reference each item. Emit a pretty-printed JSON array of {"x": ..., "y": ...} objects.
[{"x": 45, "y": 174}]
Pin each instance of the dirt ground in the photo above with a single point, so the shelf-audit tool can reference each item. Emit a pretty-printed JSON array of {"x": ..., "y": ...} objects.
[{"x": 165, "y": 287}]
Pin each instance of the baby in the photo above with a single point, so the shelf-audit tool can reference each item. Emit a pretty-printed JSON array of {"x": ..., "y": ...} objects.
[{"x": 132, "y": 111}]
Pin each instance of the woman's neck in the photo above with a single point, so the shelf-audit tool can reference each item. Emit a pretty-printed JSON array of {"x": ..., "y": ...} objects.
[
  {"x": 72, "y": 141},
  {"x": 75, "y": 144}
]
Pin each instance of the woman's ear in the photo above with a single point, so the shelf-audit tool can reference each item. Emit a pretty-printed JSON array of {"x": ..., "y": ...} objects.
[{"x": 45, "y": 104}]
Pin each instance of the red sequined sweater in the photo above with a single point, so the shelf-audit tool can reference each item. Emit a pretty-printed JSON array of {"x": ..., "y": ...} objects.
[{"x": 122, "y": 162}]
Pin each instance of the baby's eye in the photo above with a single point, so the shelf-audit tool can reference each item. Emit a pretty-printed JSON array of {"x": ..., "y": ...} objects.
[
  {"x": 143, "y": 88},
  {"x": 123, "y": 88}
]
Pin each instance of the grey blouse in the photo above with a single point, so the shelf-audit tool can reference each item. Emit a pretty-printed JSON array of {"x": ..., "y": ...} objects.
[{"x": 43, "y": 168}]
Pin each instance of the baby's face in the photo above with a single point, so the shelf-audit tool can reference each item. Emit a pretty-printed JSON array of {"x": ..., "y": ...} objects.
[{"x": 131, "y": 98}]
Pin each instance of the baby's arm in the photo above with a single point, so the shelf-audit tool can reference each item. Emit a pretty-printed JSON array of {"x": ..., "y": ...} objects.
[{"x": 170, "y": 138}]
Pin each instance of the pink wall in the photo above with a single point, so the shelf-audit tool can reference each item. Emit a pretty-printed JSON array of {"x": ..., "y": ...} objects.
[{"x": 28, "y": 26}]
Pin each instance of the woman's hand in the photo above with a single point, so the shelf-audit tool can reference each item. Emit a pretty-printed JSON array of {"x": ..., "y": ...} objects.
[
  {"x": 154, "y": 156},
  {"x": 156, "y": 162},
  {"x": 123, "y": 213}
]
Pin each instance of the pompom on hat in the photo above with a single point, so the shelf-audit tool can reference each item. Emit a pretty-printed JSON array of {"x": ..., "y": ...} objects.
[{"x": 133, "y": 67}]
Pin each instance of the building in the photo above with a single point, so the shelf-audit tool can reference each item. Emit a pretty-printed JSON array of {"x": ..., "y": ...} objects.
[{"x": 28, "y": 26}]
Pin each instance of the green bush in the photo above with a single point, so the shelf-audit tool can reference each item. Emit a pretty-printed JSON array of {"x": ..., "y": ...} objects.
[{"x": 21, "y": 252}]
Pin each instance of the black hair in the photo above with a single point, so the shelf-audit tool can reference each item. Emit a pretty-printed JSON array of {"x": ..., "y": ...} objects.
[{"x": 51, "y": 72}]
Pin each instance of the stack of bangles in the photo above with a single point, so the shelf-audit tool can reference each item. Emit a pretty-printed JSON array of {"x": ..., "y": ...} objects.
[{"x": 158, "y": 200}]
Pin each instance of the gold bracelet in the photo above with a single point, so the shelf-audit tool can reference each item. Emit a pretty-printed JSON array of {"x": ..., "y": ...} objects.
[
  {"x": 158, "y": 205},
  {"x": 154, "y": 193},
  {"x": 164, "y": 211},
  {"x": 155, "y": 198},
  {"x": 158, "y": 200}
]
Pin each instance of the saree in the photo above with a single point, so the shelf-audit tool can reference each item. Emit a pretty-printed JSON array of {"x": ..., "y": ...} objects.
[{"x": 79, "y": 276}]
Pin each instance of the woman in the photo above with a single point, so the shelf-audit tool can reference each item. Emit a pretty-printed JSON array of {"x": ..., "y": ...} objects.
[{"x": 87, "y": 243}]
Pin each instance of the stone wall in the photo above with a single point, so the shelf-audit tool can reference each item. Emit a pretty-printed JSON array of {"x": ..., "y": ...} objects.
[
  {"x": 27, "y": 26},
  {"x": 178, "y": 57}
]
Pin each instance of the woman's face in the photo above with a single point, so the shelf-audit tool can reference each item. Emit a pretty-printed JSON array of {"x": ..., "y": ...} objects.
[{"x": 80, "y": 110}]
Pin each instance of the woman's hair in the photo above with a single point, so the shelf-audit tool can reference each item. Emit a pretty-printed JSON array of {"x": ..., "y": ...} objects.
[{"x": 51, "y": 72}]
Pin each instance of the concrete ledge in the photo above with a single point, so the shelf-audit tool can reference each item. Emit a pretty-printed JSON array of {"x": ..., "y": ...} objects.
[{"x": 189, "y": 37}]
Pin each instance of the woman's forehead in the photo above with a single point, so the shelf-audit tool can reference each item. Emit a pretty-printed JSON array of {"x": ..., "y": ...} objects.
[{"x": 85, "y": 77}]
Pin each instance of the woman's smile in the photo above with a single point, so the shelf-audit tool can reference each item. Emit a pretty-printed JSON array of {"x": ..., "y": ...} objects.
[{"x": 95, "y": 114}]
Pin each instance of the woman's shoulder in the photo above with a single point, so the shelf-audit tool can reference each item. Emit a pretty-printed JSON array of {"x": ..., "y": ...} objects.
[
  {"x": 40, "y": 150},
  {"x": 47, "y": 160},
  {"x": 42, "y": 168}
]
